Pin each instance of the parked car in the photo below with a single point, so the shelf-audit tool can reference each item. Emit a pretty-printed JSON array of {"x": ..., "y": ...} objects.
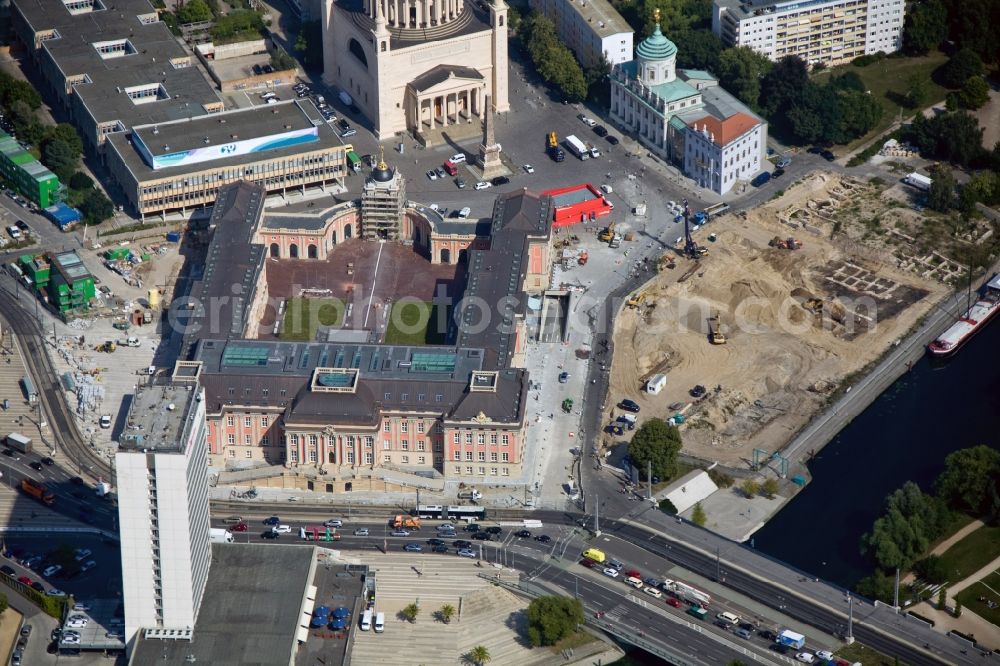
[
  {"x": 461, "y": 543},
  {"x": 482, "y": 185},
  {"x": 460, "y": 183},
  {"x": 500, "y": 180},
  {"x": 25, "y": 580},
  {"x": 88, "y": 565},
  {"x": 52, "y": 570},
  {"x": 829, "y": 157},
  {"x": 7, "y": 571},
  {"x": 543, "y": 538},
  {"x": 777, "y": 173},
  {"x": 432, "y": 174},
  {"x": 523, "y": 534},
  {"x": 494, "y": 529},
  {"x": 610, "y": 572},
  {"x": 528, "y": 168},
  {"x": 613, "y": 140},
  {"x": 38, "y": 587},
  {"x": 629, "y": 405},
  {"x": 466, "y": 552},
  {"x": 81, "y": 554},
  {"x": 457, "y": 158},
  {"x": 784, "y": 162},
  {"x": 106, "y": 421},
  {"x": 563, "y": 377},
  {"x": 601, "y": 131}
]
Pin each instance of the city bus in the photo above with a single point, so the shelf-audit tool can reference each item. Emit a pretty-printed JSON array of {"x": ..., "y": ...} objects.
[{"x": 439, "y": 512}]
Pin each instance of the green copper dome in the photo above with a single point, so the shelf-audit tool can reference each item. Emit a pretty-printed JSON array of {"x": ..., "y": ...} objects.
[{"x": 656, "y": 47}]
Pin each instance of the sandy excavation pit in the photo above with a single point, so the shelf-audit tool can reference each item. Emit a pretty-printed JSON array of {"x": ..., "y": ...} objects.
[{"x": 797, "y": 322}]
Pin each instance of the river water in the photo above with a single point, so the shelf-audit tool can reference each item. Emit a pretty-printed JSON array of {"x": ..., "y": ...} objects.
[{"x": 934, "y": 409}]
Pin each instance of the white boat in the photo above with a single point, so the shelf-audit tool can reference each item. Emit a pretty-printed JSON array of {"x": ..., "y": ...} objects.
[{"x": 974, "y": 319}]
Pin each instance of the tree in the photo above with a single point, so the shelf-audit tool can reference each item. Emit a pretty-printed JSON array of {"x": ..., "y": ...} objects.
[
  {"x": 965, "y": 480},
  {"x": 411, "y": 611},
  {"x": 941, "y": 196},
  {"x": 599, "y": 83},
  {"x": 971, "y": 25},
  {"x": 877, "y": 586},
  {"x": 60, "y": 158},
  {"x": 954, "y": 137},
  {"x": 96, "y": 207},
  {"x": 740, "y": 72},
  {"x": 447, "y": 612},
  {"x": 667, "y": 507},
  {"x": 81, "y": 181},
  {"x": 925, "y": 27},
  {"x": 770, "y": 487},
  {"x": 550, "y": 619},
  {"x": 697, "y": 49},
  {"x": 309, "y": 45},
  {"x": 4, "y": 604},
  {"x": 698, "y": 516},
  {"x": 932, "y": 569},
  {"x": 975, "y": 93},
  {"x": 960, "y": 67},
  {"x": 657, "y": 443},
  {"x": 479, "y": 655},
  {"x": 194, "y": 11},
  {"x": 281, "y": 61},
  {"x": 13, "y": 90},
  {"x": 917, "y": 92},
  {"x": 674, "y": 16},
  {"x": 910, "y": 520},
  {"x": 942, "y": 598},
  {"x": 553, "y": 59},
  {"x": 750, "y": 488},
  {"x": 958, "y": 608},
  {"x": 26, "y": 125},
  {"x": 782, "y": 87}
]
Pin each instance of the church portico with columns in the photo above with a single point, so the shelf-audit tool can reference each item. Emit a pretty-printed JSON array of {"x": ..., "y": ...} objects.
[{"x": 418, "y": 66}]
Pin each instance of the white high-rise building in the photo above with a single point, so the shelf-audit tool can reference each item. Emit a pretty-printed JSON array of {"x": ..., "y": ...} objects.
[
  {"x": 162, "y": 473},
  {"x": 590, "y": 28},
  {"x": 818, "y": 31}
]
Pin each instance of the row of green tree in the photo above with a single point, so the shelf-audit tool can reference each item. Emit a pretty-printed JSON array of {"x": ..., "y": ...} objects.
[
  {"x": 969, "y": 23},
  {"x": 912, "y": 519}
]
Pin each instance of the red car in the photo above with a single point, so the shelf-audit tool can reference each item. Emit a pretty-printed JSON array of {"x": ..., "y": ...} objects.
[
  {"x": 587, "y": 562},
  {"x": 634, "y": 573},
  {"x": 239, "y": 527},
  {"x": 25, "y": 580},
  {"x": 672, "y": 601}
]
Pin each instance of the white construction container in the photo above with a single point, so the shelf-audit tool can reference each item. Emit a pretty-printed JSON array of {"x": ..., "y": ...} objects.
[{"x": 655, "y": 384}]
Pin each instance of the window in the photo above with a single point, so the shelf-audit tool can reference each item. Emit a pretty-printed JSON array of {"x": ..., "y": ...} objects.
[
  {"x": 457, "y": 438},
  {"x": 438, "y": 398},
  {"x": 404, "y": 426},
  {"x": 231, "y": 421},
  {"x": 404, "y": 397},
  {"x": 506, "y": 471},
  {"x": 369, "y": 458},
  {"x": 312, "y": 456},
  {"x": 388, "y": 396},
  {"x": 481, "y": 438},
  {"x": 458, "y": 469},
  {"x": 493, "y": 471},
  {"x": 387, "y": 458},
  {"x": 482, "y": 471},
  {"x": 293, "y": 456},
  {"x": 505, "y": 440},
  {"x": 493, "y": 457},
  {"x": 468, "y": 438},
  {"x": 386, "y": 427},
  {"x": 231, "y": 439},
  {"x": 294, "y": 439},
  {"x": 468, "y": 470},
  {"x": 406, "y": 460},
  {"x": 232, "y": 453},
  {"x": 493, "y": 438},
  {"x": 458, "y": 455},
  {"x": 405, "y": 445},
  {"x": 505, "y": 457},
  {"x": 420, "y": 427},
  {"x": 350, "y": 457},
  {"x": 313, "y": 440},
  {"x": 265, "y": 441},
  {"x": 422, "y": 460},
  {"x": 246, "y": 440},
  {"x": 369, "y": 441},
  {"x": 420, "y": 445},
  {"x": 247, "y": 423},
  {"x": 468, "y": 456},
  {"x": 437, "y": 446},
  {"x": 482, "y": 456},
  {"x": 263, "y": 421},
  {"x": 385, "y": 444}
]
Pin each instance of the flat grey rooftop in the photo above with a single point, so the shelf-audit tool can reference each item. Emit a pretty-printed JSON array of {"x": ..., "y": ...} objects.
[
  {"x": 156, "y": 417},
  {"x": 250, "y": 612},
  {"x": 719, "y": 104},
  {"x": 71, "y": 266},
  {"x": 573, "y": 197},
  {"x": 601, "y": 16}
]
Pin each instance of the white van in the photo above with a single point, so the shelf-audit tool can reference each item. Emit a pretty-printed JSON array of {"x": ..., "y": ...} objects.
[
  {"x": 379, "y": 623},
  {"x": 634, "y": 582},
  {"x": 366, "y": 620},
  {"x": 728, "y": 618}
]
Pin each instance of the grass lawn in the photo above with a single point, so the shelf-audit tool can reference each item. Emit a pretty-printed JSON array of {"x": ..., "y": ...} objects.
[
  {"x": 972, "y": 553},
  {"x": 856, "y": 652},
  {"x": 888, "y": 81},
  {"x": 303, "y": 316},
  {"x": 415, "y": 323},
  {"x": 989, "y": 588}
]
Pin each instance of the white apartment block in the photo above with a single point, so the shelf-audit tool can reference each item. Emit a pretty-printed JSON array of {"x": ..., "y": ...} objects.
[
  {"x": 719, "y": 154},
  {"x": 162, "y": 474},
  {"x": 818, "y": 31},
  {"x": 590, "y": 28}
]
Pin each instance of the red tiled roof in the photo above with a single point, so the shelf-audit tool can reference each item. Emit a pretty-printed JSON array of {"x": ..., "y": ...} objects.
[{"x": 724, "y": 131}]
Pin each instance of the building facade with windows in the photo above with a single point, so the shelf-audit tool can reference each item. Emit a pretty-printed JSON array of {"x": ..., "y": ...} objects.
[
  {"x": 686, "y": 118},
  {"x": 831, "y": 32},
  {"x": 420, "y": 65},
  {"x": 162, "y": 475},
  {"x": 592, "y": 29}
]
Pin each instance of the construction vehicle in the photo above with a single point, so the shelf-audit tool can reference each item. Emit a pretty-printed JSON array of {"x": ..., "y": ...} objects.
[
  {"x": 715, "y": 334},
  {"x": 692, "y": 249},
  {"x": 108, "y": 346},
  {"x": 616, "y": 241},
  {"x": 665, "y": 262},
  {"x": 636, "y": 300},
  {"x": 583, "y": 258},
  {"x": 38, "y": 491},
  {"x": 785, "y": 243},
  {"x": 408, "y": 522},
  {"x": 716, "y": 209},
  {"x": 553, "y": 141},
  {"x": 607, "y": 233}
]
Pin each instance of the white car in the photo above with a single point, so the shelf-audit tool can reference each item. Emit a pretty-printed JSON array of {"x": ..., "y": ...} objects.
[
  {"x": 611, "y": 572},
  {"x": 106, "y": 421},
  {"x": 82, "y": 554},
  {"x": 653, "y": 592},
  {"x": 78, "y": 624},
  {"x": 282, "y": 529},
  {"x": 80, "y": 606},
  {"x": 589, "y": 122},
  {"x": 361, "y": 531},
  {"x": 52, "y": 571},
  {"x": 482, "y": 185},
  {"x": 87, "y": 566},
  {"x": 69, "y": 639},
  {"x": 824, "y": 654},
  {"x": 55, "y": 593},
  {"x": 529, "y": 169},
  {"x": 805, "y": 657},
  {"x": 457, "y": 158},
  {"x": 334, "y": 522},
  {"x": 464, "y": 213}
]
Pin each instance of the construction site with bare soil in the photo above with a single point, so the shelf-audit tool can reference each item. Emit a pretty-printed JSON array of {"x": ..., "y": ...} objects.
[{"x": 743, "y": 347}]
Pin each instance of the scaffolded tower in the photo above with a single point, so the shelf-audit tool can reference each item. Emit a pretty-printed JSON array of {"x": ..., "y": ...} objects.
[{"x": 382, "y": 203}]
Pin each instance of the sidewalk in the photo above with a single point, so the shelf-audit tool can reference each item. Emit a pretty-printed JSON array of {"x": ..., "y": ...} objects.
[
  {"x": 986, "y": 633},
  {"x": 948, "y": 543}
]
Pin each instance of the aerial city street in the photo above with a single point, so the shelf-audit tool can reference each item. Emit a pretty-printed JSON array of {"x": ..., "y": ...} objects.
[{"x": 475, "y": 331}]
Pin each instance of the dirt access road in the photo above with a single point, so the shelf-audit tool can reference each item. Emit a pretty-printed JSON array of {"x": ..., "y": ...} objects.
[{"x": 797, "y": 322}]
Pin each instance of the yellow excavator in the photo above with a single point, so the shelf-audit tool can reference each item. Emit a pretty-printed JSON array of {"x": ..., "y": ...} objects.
[
  {"x": 636, "y": 300},
  {"x": 607, "y": 233},
  {"x": 715, "y": 335}
]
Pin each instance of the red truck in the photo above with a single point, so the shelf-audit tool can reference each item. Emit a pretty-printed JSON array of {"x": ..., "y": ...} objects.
[{"x": 38, "y": 491}]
